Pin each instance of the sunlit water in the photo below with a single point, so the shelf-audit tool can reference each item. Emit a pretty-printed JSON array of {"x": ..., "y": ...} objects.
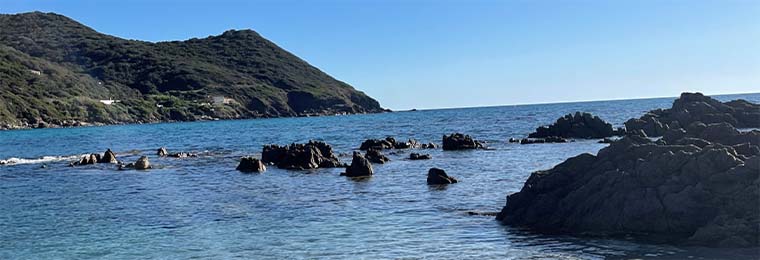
[{"x": 203, "y": 208}]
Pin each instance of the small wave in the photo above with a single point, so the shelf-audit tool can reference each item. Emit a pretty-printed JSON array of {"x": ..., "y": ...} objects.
[{"x": 43, "y": 159}]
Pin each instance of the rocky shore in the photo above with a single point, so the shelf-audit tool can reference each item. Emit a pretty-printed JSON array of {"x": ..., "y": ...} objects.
[{"x": 698, "y": 185}]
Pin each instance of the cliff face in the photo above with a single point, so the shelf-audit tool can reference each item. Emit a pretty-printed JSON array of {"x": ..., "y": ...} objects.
[
  {"x": 699, "y": 184},
  {"x": 55, "y": 70}
]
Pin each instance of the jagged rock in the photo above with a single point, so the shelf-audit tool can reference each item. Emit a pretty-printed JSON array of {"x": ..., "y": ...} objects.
[
  {"x": 691, "y": 190},
  {"x": 376, "y": 156},
  {"x": 579, "y": 125},
  {"x": 417, "y": 156},
  {"x": 438, "y": 177},
  {"x": 695, "y": 107},
  {"x": 459, "y": 141},
  {"x": 251, "y": 164},
  {"x": 162, "y": 152},
  {"x": 142, "y": 163},
  {"x": 311, "y": 155},
  {"x": 108, "y": 157},
  {"x": 388, "y": 143},
  {"x": 87, "y": 159},
  {"x": 360, "y": 167},
  {"x": 514, "y": 140},
  {"x": 378, "y": 144}
]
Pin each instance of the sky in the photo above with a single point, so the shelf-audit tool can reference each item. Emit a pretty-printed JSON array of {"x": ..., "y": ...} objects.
[{"x": 447, "y": 53}]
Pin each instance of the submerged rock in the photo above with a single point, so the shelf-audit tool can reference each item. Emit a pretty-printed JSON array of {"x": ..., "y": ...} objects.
[
  {"x": 697, "y": 190},
  {"x": 578, "y": 125},
  {"x": 310, "y": 155},
  {"x": 417, "y": 156},
  {"x": 438, "y": 177},
  {"x": 162, "y": 152},
  {"x": 251, "y": 164},
  {"x": 551, "y": 139},
  {"x": 360, "y": 167},
  {"x": 460, "y": 141}
]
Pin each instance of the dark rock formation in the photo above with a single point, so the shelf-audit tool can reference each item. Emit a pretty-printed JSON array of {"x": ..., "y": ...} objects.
[
  {"x": 310, "y": 155},
  {"x": 695, "y": 107},
  {"x": 460, "y": 142},
  {"x": 388, "y": 143},
  {"x": 87, "y": 159},
  {"x": 579, "y": 125},
  {"x": 514, "y": 140},
  {"x": 251, "y": 164},
  {"x": 376, "y": 156},
  {"x": 360, "y": 167},
  {"x": 438, "y": 177},
  {"x": 429, "y": 146},
  {"x": 143, "y": 163},
  {"x": 378, "y": 144},
  {"x": 698, "y": 186},
  {"x": 550, "y": 139},
  {"x": 417, "y": 156},
  {"x": 162, "y": 152},
  {"x": 108, "y": 157}
]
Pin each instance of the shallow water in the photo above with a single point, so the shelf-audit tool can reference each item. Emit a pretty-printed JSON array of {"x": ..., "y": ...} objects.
[{"x": 203, "y": 208}]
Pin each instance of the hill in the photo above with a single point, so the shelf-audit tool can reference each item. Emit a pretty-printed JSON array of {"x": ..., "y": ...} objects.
[{"x": 55, "y": 71}]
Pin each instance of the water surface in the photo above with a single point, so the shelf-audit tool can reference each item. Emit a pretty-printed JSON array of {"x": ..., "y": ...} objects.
[{"x": 203, "y": 208}]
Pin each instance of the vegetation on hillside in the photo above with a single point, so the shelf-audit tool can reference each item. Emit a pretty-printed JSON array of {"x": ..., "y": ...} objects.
[{"x": 55, "y": 70}]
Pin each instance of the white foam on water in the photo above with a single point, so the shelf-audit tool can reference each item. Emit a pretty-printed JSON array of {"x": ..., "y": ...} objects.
[{"x": 43, "y": 159}]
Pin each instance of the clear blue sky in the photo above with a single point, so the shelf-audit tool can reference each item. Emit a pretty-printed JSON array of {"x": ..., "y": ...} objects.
[{"x": 432, "y": 54}]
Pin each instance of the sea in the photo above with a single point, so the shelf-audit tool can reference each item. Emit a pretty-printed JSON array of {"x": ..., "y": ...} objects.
[{"x": 202, "y": 208}]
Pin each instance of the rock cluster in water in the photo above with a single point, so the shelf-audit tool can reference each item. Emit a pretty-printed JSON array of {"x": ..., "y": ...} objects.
[
  {"x": 695, "y": 107},
  {"x": 391, "y": 143},
  {"x": 460, "y": 141},
  {"x": 162, "y": 152},
  {"x": 311, "y": 155},
  {"x": 698, "y": 185},
  {"x": 107, "y": 157}
]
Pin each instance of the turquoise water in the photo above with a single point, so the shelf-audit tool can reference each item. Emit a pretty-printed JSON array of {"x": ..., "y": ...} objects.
[{"x": 203, "y": 208}]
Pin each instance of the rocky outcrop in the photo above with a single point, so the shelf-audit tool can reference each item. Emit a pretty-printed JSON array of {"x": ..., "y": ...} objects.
[
  {"x": 578, "y": 125},
  {"x": 417, "y": 156},
  {"x": 429, "y": 146},
  {"x": 439, "y": 177},
  {"x": 388, "y": 143},
  {"x": 695, "y": 107},
  {"x": 107, "y": 157},
  {"x": 460, "y": 141},
  {"x": 251, "y": 164},
  {"x": 360, "y": 167},
  {"x": 698, "y": 185},
  {"x": 143, "y": 163},
  {"x": 376, "y": 156},
  {"x": 162, "y": 152},
  {"x": 311, "y": 155}
]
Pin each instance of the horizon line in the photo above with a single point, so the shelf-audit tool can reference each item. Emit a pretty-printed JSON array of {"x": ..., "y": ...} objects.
[{"x": 568, "y": 101}]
